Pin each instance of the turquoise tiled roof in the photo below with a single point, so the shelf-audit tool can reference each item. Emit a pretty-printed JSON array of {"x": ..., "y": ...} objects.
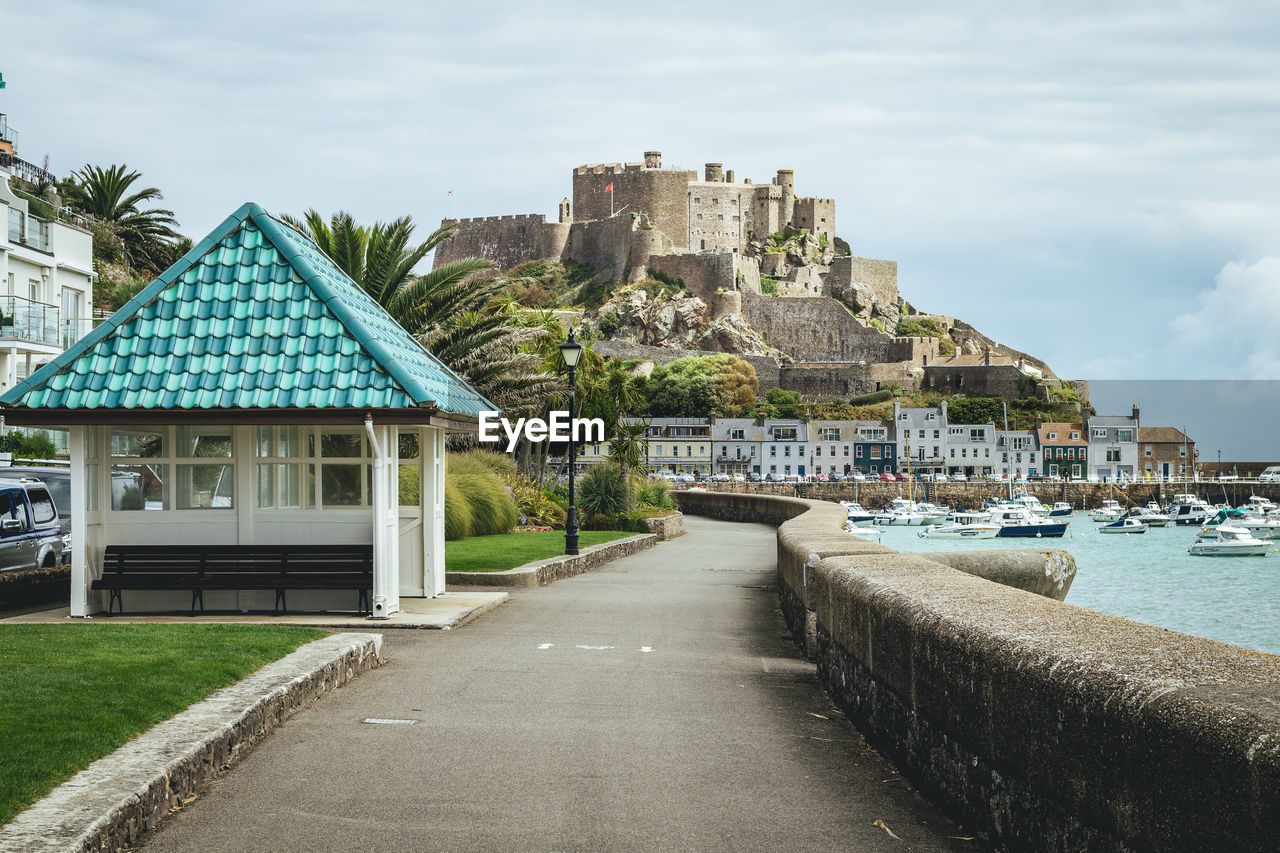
[{"x": 254, "y": 317}]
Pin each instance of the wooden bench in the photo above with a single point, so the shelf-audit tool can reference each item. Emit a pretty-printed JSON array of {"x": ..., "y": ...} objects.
[{"x": 201, "y": 567}]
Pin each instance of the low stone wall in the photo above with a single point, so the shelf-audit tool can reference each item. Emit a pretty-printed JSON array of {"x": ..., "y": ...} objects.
[
  {"x": 667, "y": 526},
  {"x": 1043, "y": 726},
  {"x": 110, "y": 804},
  {"x": 35, "y": 586},
  {"x": 552, "y": 569}
]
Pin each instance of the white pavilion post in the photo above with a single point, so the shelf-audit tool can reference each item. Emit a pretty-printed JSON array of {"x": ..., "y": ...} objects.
[
  {"x": 386, "y": 574},
  {"x": 390, "y": 440},
  {"x": 80, "y": 579},
  {"x": 431, "y": 495}
]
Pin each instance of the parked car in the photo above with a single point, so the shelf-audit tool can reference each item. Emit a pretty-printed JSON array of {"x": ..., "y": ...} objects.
[
  {"x": 1270, "y": 475},
  {"x": 959, "y": 478},
  {"x": 753, "y": 477},
  {"x": 58, "y": 482},
  {"x": 857, "y": 476},
  {"x": 738, "y": 478},
  {"x": 1035, "y": 476},
  {"x": 30, "y": 534},
  {"x": 720, "y": 478},
  {"x": 888, "y": 477},
  {"x": 819, "y": 477}
]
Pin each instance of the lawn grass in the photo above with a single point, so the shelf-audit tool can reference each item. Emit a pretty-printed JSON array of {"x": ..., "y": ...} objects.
[
  {"x": 508, "y": 550},
  {"x": 71, "y": 694}
]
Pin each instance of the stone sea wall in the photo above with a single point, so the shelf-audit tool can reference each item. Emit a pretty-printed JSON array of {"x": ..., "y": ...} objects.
[{"x": 1041, "y": 725}]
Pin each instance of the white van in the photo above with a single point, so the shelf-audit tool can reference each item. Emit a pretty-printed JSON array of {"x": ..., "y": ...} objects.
[{"x": 1270, "y": 475}]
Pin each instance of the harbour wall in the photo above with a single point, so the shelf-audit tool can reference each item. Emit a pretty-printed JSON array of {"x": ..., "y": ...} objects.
[
  {"x": 1041, "y": 725},
  {"x": 874, "y": 494}
]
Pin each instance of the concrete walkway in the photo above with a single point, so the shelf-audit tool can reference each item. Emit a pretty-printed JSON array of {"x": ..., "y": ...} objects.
[{"x": 655, "y": 704}]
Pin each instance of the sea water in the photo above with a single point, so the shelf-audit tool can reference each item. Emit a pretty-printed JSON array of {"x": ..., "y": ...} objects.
[{"x": 1149, "y": 577}]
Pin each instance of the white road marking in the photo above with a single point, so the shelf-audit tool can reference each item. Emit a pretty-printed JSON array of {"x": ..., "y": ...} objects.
[
  {"x": 594, "y": 648},
  {"x": 646, "y": 648},
  {"x": 545, "y": 645}
]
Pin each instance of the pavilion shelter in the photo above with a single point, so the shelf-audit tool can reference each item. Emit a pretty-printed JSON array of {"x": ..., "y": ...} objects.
[{"x": 254, "y": 394}]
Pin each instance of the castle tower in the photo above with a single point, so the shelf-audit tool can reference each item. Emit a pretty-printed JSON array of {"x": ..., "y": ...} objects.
[
  {"x": 728, "y": 176},
  {"x": 653, "y": 159},
  {"x": 787, "y": 180},
  {"x": 715, "y": 172},
  {"x": 566, "y": 210}
]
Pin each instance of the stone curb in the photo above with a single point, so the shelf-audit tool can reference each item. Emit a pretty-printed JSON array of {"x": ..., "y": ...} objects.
[
  {"x": 111, "y": 803},
  {"x": 552, "y": 569}
]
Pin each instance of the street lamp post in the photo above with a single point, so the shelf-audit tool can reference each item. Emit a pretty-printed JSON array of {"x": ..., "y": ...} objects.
[
  {"x": 1219, "y": 466},
  {"x": 571, "y": 352}
]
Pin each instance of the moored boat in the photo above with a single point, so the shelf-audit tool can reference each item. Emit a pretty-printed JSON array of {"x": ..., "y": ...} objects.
[
  {"x": 857, "y": 515},
  {"x": 1021, "y": 522},
  {"x": 1061, "y": 509},
  {"x": 1109, "y": 511},
  {"x": 960, "y": 531},
  {"x": 1147, "y": 516},
  {"x": 1124, "y": 525},
  {"x": 1230, "y": 542}
]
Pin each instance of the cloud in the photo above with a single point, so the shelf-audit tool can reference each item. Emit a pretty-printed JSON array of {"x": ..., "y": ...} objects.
[{"x": 1233, "y": 328}]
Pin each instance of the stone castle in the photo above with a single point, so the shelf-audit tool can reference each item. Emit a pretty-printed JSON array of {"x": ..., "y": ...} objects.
[{"x": 823, "y": 325}]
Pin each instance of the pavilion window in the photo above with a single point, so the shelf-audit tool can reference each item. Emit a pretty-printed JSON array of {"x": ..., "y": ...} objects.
[
  {"x": 293, "y": 472},
  {"x": 140, "y": 469},
  {"x": 410, "y": 460},
  {"x": 204, "y": 485}
]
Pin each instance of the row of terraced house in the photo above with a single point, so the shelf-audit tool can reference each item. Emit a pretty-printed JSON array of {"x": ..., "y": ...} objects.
[{"x": 920, "y": 441}]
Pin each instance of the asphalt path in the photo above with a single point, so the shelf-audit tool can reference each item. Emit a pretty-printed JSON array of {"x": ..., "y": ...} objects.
[{"x": 654, "y": 704}]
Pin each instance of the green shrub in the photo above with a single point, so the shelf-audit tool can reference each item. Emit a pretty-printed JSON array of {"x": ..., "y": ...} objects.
[
  {"x": 768, "y": 285},
  {"x": 482, "y": 461},
  {"x": 873, "y": 397},
  {"x": 599, "y": 521},
  {"x": 946, "y": 346},
  {"x": 23, "y": 446},
  {"x": 604, "y": 491},
  {"x": 926, "y": 328},
  {"x": 654, "y": 493},
  {"x": 457, "y": 511},
  {"x": 492, "y": 509},
  {"x": 877, "y": 325},
  {"x": 132, "y": 499},
  {"x": 608, "y": 322}
]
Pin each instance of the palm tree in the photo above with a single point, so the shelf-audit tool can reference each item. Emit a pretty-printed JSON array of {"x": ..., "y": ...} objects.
[
  {"x": 453, "y": 310},
  {"x": 146, "y": 234},
  {"x": 627, "y": 447}
]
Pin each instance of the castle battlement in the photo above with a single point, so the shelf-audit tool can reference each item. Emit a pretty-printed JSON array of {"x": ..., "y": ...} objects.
[{"x": 537, "y": 218}]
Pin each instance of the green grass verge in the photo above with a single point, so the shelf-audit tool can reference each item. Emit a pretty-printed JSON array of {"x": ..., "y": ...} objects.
[
  {"x": 74, "y": 693},
  {"x": 508, "y": 550}
]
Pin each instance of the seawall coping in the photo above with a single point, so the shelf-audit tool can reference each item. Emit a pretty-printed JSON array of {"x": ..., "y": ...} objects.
[
  {"x": 112, "y": 802},
  {"x": 552, "y": 569}
]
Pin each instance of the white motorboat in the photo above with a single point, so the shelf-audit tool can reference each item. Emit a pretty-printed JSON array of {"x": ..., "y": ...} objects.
[
  {"x": 1230, "y": 542},
  {"x": 932, "y": 512},
  {"x": 1261, "y": 528},
  {"x": 1021, "y": 522},
  {"x": 901, "y": 512},
  {"x": 857, "y": 515},
  {"x": 1107, "y": 513},
  {"x": 1124, "y": 525},
  {"x": 1191, "y": 511},
  {"x": 1149, "y": 517},
  {"x": 1061, "y": 509},
  {"x": 1260, "y": 506},
  {"x": 960, "y": 531},
  {"x": 869, "y": 534}
]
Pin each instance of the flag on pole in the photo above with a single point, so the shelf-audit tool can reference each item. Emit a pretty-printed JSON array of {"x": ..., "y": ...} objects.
[
  {"x": 1, "y": 81},
  {"x": 609, "y": 188},
  {"x": 450, "y": 192}
]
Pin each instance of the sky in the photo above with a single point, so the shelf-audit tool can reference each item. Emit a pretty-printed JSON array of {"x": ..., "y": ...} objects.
[{"x": 1098, "y": 184}]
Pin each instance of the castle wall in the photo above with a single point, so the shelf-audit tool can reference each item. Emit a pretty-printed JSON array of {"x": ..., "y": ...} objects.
[
  {"x": 661, "y": 194},
  {"x": 827, "y": 382},
  {"x": 814, "y": 329},
  {"x": 817, "y": 215},
  {"x": 880, "y": 276},
  {"x": 505, "y": 240},
  {"x": 720, "y": 215},
  {"x": 766, "y": 211},
  {"x": 982, "y": 380},
  {"x": 704, "y": 274},
  {"x": 604, "y": 244}
]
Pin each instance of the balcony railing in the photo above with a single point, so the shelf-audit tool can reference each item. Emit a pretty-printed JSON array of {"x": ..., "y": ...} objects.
[
  {"x": 40, "y": 323},
  {"x": 27, "y": 171}
]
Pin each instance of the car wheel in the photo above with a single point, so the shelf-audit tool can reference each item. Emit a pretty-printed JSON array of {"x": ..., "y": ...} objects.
[{"x": 47, "y": 562}]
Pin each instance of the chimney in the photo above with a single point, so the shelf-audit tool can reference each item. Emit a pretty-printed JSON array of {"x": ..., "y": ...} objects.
[
  {"x": 1135, "y": 413},
  {"x": 715, "y": 172},
  {"x": 728, "y": 176},
  {"x": 986, "y": 357}
]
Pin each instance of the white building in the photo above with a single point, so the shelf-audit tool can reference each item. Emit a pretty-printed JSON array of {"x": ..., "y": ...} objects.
[
  {"x": 971, "y": 449},
  {"x": 46, "y": 276},
  {"x": 922, "y": 438},
  {"x": 1113, "y": 447},
  {"x": 1017, "y": 454}
]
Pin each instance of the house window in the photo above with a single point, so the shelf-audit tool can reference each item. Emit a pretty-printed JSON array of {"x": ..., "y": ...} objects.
[
  {"x": 1053, "y": 436},
  {"x": 818, "y": 451},
  {"x": 1071, "y": 453},
  {"x": 857, "y": 453},
  {"x": 737, "y": 434},
  {"x": 846, "y": 450},
  {"x": 1147, "y": 451},
  {"x": 1075, "y": 436},
  {"x": 1099, "y": 432},
  {"x": 1182, "y": 451},
  {"x": 773, "y": 450},
  {"x": 936, "y": 434},
  {"x": 786, "y": 451},
  {"x": 875, "y": 451},
  {"x": 1124, "y": 435}
]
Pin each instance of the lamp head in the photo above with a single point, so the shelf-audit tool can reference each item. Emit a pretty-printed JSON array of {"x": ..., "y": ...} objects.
[{"x": 571, "y": 351}]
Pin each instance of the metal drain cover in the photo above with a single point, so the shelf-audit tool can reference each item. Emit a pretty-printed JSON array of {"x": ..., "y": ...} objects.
[{"x": 380, "y": 721}]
